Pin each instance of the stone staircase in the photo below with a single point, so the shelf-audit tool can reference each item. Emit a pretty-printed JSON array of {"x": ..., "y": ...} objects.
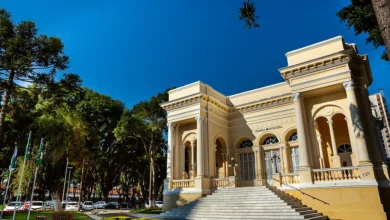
[{"x": 244, "y": 203}]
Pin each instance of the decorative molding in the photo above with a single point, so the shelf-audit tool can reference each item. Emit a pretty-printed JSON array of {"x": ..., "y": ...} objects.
[
  {"x": 314, "y": 46},
  {"x": 296, "y": 97},
  {"x": 264, "y": 103},
  {"x": 349, "y": 85},
  {"x": 330, "y": 122},
  {"x": 320, "y": 78},
  {"x": 316, "y": 64}
]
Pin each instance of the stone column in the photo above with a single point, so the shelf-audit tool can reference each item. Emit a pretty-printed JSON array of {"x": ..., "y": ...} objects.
[
  {"x": 357, "y": 123},
  {"x": 257, "y": 168},
  {"x": 286, "y": 165},
  {"x": 299, "y": 115},
  {"x": 199, "y": 153},
  {"x": 320, "y": 145},
  {"x": 335, "y": 158},
  {"x": 170, "y": 146},
  {"x": 192, "y": 156}
]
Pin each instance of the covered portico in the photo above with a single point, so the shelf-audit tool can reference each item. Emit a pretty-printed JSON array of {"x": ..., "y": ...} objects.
[{"x": 310, "y": 132}]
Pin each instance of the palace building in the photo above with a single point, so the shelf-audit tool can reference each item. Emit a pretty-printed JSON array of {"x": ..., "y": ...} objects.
[{"x": 312, "y": 136}]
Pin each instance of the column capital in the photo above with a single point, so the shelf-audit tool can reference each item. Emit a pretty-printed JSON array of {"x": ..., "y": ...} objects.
[
  {"x": 171, "y": 125},
  {"x": 330, "y": 122},
  {"x": 296, "y": 97},
  {"x": 198, "y": 118},
  {"x": 349, "y": 85}
]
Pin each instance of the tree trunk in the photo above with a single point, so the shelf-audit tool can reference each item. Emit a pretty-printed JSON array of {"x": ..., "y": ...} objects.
[
  {"x": 382, "y": 12},
  {"x": 81, "y": 182},
  {"x": 4, "y": 106},
  {"x": 150, "y": 184}
]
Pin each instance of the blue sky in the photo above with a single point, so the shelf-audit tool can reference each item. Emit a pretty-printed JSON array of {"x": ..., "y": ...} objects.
[{"x": 133, "y": 49}]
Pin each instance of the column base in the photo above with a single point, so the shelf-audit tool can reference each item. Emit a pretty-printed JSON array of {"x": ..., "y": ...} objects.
[
  {"x": 336, "y": 161},
  {"x": 167, "y": 184},
  {"x": 305, "y": 175}
]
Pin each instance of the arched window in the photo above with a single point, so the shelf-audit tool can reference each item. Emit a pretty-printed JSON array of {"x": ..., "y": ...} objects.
[
  {"x": 344, "y": 148},
  {"x": 246, "y": 143},
  {"x": 270, "y": 140},
  {"x": 293, "y": 137}
]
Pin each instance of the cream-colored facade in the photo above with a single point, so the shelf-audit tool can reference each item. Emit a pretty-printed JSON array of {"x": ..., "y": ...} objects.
[{"x": 312, "y": 134}]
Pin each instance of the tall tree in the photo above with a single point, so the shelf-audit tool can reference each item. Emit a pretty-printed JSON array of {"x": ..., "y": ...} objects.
[
  {"x": 146, "y": 122},
  {"x": 382, "y": 12},
  {"x": 26, "y": 57},
  {"x": 362, "y": 16}
]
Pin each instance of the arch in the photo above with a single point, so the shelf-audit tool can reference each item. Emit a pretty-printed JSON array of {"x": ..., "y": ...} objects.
[
  {"x": 344, "y": 148},
  {"x": 288, "y": 133},
  {"x": 187, "y": 137},
  {"x": 246, "y": 143},
  {"x": 335, "y": 109},
  {"x": 265, "y": 136},
  {"x": 238, "y": 141},
  {"x": 293, "y": 136},
  {"x": 221, "y": 139}
]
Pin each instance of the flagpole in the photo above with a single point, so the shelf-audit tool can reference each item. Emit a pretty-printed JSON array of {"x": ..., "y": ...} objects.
[
  {"x": 32, "y": 193},
  {"x": 21, "y": 176},
  {"x": 5, "y": 195},
  {"x": 38, "y": 163}
]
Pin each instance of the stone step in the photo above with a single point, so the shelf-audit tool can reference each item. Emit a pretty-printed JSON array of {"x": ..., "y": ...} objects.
[
  {"x": 246, "y": 212},
  {"x": 239, "y": 215},
  {"x": 235, "y": 208},
  {"x": 262, "y": 198},
  {"x": 244, "y": 203},
  {"x": 251, "y": 202}
]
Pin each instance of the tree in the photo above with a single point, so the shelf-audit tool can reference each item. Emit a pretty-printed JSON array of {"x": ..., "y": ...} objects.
[
  {"x": 248, "y": 14},
  {"x": 26, "y": 57},
  {"x": 146, "y": 122},
  {"x": 360, "y": 15},
  {"x": 382, "y": 12}
]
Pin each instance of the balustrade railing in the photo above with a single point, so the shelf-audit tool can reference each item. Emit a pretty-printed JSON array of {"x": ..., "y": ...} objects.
[
  {"x": 176, "y": 184},
  {"x": 336, "y": 174},
  {"x": 221, "y": 182},
  {"x": 290, "y": 178}
]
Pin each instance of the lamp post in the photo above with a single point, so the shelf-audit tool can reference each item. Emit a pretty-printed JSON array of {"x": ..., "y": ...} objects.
[
  {"x": 74, "y": 188},
  {"x": 66, "y": 172},
  {"x": 233, "y": 164},
  {"x": 274, "y": 159},
  {"x": 67, "y": 189}
]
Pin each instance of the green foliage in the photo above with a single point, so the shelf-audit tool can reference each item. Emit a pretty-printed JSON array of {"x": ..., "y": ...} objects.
[
  {"x": 248, "y": 14},
  {"x": 116, "y": 146},
  {"x": 361, "y": 16},
  {"x": 26, "y": 57}
]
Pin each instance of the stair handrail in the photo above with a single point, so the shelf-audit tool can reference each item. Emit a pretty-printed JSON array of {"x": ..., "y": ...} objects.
[{"x": 315, "y": 198}]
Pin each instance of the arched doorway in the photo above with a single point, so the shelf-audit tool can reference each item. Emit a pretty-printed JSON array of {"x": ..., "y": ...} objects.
[
  {"x": 345, "y": 151},
  {"x": 271, "y": 157},
  {"x": 343, "y": 143},
  {"x": 220, "y": 160},
  {"x": 189, "y": 159},
  {"x": 247, "y": 172},
  {"x": 324, "y": 142}
]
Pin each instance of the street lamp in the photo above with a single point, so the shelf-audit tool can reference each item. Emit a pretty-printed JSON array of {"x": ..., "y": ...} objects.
[
  {"x": 66, "y": 172},
  {"x": 233, "y": 164},
  {"x": 275, "y": 158}
]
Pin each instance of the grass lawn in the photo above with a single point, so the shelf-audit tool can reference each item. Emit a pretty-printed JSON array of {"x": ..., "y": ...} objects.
[
  {"x": 146, "y": 211},
  {"x": 1, "y": 206},
  {"x": 23, "y": 216}
]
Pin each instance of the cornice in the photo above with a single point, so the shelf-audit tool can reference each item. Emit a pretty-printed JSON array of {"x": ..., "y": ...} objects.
[
  {"x": 314, "y": 46},
  {"x": 264, "y": 103},
  {"x": 317, "y": 64},
  {"x": 183, "y": 102}
]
